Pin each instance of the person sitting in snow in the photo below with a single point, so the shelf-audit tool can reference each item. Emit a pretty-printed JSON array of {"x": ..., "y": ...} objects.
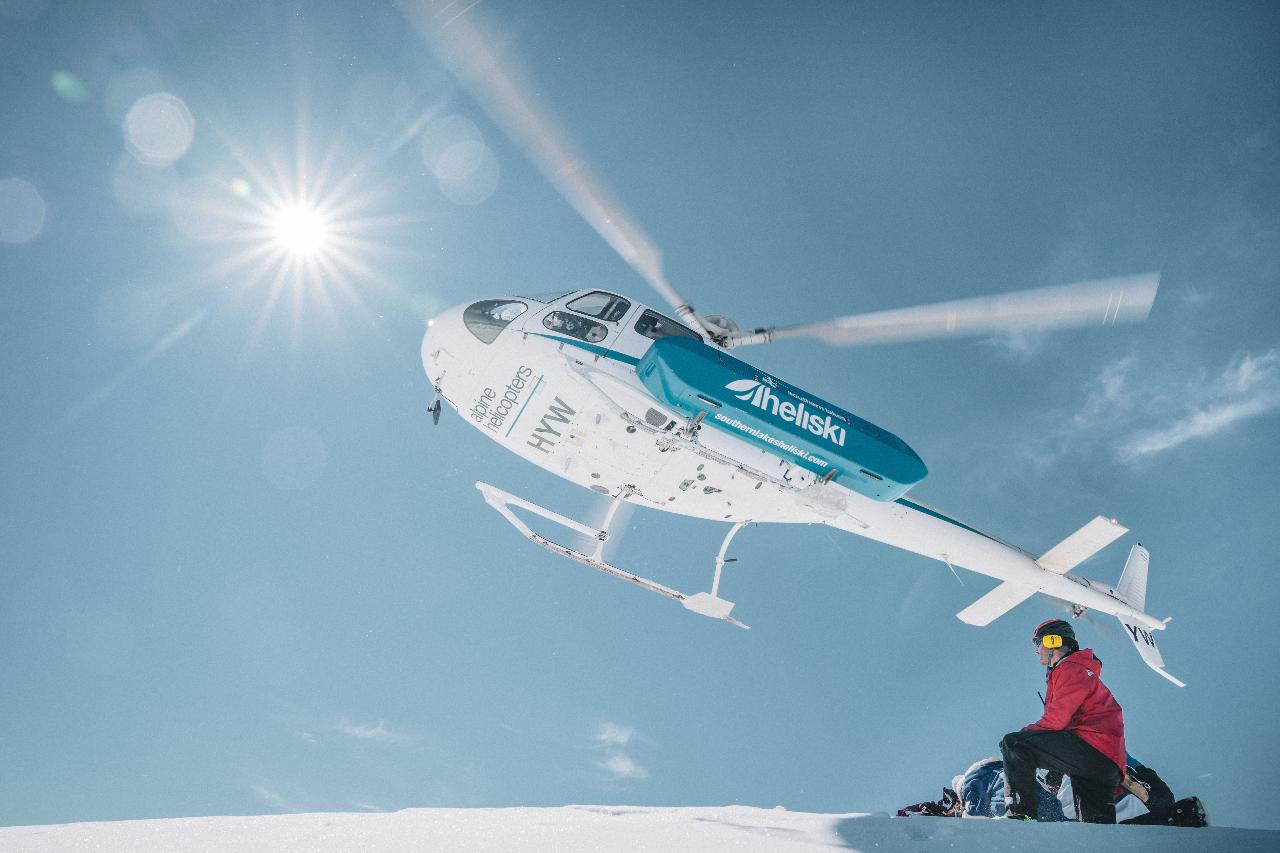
[{"x": 1081, "y": 732}]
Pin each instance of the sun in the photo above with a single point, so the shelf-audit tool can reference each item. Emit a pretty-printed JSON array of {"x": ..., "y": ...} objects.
[
  {"x": 300, "y": 230},
  {"x": 301, "y": 233}
]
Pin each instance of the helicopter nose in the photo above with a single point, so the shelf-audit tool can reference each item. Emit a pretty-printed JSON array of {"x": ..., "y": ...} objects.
[{"x": 440, "y": 344}]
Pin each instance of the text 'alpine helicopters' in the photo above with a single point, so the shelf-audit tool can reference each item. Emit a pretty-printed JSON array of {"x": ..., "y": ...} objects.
[{"x": 650, "y": 409}]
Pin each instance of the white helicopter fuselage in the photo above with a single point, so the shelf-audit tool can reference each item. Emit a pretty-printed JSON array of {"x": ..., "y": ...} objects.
[{"x": 576, "y": 408}]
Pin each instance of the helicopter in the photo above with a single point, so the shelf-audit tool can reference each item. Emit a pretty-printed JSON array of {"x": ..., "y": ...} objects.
[{"x": 647, "y": 406}]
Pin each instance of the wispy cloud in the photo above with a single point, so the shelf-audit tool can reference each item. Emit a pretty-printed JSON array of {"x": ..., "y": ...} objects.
[
  {"x": 1170, "y": 395},
  {"x": 621, "y": 766},
  {"x": 1109, "y": 396},
  {"x": 379, "y": 733},
  {"x": 1106, "y": 410},
  {"x": 609, "y": 739},
  {"x": 1195, "y": 297},
  {"x": 1139, "y": 412},
  {"x": 1249, "y": 387},
  {"x": 1018, "y": 345},
  {"x": 612, "y": 733}
]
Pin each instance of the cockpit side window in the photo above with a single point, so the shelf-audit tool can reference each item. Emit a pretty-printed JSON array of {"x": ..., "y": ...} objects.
[
  {"x": 604, "y": 306},
  {"x": 653, "y": 325},
  {"x": 487, "y": 319},
  {"x": 575, "y": 326}
]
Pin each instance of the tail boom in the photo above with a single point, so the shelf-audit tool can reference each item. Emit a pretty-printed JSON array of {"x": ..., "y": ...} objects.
[{"x": 909, "y": 525}]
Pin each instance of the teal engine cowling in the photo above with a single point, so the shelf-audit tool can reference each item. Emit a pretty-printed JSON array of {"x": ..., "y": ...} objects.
[{"x": 761, "y": 409}]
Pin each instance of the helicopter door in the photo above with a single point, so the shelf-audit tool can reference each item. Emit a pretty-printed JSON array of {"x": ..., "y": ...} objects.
[
  {"x": 645, "y": 327},
  {"x": 592, "y": 320}
]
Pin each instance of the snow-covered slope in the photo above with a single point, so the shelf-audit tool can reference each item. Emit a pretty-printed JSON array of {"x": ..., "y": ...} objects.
[{"x": 614, "y": 828}]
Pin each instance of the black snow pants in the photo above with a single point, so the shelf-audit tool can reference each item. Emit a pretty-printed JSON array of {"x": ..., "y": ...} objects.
[{"x": 1094, "y": 777}]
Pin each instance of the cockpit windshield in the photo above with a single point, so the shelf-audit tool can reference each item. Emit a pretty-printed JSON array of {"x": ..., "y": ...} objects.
[
  {"x": 487, "y": 319},
  {"x": 599, "y": 304}
]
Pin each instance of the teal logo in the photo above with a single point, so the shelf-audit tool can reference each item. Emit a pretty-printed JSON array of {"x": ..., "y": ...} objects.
[{"x": 761, "y": 396}]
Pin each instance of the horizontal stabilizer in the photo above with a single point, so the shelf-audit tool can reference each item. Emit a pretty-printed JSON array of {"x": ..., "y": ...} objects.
[
  {"x": 995, "y": 603},
  {"x": 1145, "y": 642},
  {"x": 1081, "y": 545}
]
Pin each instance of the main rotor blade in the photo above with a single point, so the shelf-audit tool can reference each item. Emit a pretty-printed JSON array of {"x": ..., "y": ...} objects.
[
  {"x": 1092, "y": 303},
  {"x": 491, "y": 80}
]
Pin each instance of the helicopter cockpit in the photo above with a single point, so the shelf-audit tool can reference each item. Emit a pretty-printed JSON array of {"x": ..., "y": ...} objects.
[
  {"x": 606, "y": 319},
  {"x": 603, "y": 323},
  {"x": 601, "y": 319}
]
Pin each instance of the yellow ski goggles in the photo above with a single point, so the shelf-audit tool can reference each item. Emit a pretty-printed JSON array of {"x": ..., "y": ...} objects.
[{"x": 1049, "y": 641}]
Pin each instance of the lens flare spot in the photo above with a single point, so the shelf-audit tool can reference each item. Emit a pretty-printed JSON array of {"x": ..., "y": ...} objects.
[
  {"x": 69, "y": 87},
  {"x": 159, "y": 129},
  {"x": 464, "y": 166},
  {"x": 22, "y": 211}
]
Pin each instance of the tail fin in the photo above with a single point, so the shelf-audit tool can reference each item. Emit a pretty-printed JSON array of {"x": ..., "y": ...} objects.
[
  {"x": 1132, "y": 588},
  {"x": 1145, "y": 643},
  {"x": 1133, "y": 580}
]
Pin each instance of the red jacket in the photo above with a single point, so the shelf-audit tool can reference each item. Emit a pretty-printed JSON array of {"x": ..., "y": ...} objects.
[{"x": 1077, "y": 701}]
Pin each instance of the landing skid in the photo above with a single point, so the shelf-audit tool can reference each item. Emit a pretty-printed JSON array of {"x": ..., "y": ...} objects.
[{"x": 705, "y": 603}]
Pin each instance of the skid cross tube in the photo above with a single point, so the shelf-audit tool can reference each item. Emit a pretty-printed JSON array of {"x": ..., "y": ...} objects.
[{"x": 707, "y": 604}]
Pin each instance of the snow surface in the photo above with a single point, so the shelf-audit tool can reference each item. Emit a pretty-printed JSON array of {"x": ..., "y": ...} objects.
[{"x": 614, "y": 828}]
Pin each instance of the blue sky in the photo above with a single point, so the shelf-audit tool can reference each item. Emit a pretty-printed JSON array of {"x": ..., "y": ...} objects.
[{"x": 242, "y": 573}]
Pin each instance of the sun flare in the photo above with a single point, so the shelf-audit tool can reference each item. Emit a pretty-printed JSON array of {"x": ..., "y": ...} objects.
[
  {"x": 302, "y": 233},
  {"x": 300, "y": 230}
]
